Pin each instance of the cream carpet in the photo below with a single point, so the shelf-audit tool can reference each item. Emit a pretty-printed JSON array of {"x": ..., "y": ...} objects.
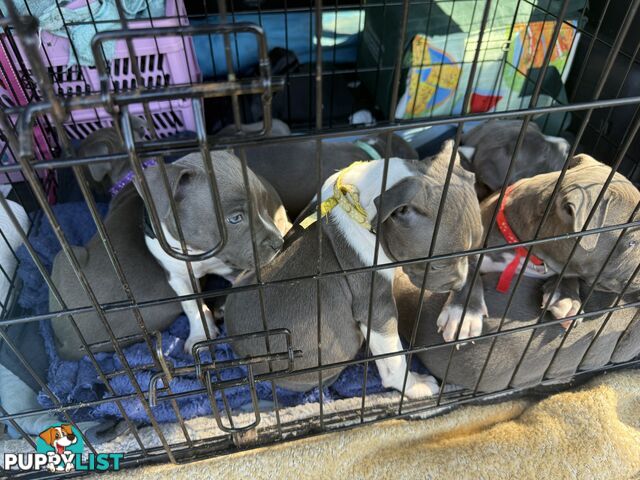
[{"x": 589, "y": 433}]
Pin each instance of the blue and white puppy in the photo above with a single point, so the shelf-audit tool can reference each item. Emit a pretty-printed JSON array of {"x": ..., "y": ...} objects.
[{"x": 353, "y": 203}]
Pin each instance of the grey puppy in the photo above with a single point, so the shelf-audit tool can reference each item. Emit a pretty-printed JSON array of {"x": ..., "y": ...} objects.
[
  {"x": 190, "y": 189},
  {"x": 617, "y": 341},
  {"x": 153, "y": 273},
  {"x": 487, "y": 150},
  {"x": 407, "y": 210},
  {"x": 523, "y": 209},
  {"x": 146, "y": 278},
  {"x": 291, "y": 167}
]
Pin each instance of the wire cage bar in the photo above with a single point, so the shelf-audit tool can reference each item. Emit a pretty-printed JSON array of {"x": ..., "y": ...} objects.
[{"x": 175, "y": 80}]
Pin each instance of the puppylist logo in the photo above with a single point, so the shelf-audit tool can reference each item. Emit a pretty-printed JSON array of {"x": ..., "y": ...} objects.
[{"x": 59, "y": 449}]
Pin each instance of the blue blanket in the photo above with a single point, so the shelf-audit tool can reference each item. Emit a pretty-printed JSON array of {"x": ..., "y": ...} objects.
[{"x": 76, "y": 382}]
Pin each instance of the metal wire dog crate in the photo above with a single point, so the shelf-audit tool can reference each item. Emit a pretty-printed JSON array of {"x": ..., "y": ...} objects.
[{"x": 41, "y": 118}]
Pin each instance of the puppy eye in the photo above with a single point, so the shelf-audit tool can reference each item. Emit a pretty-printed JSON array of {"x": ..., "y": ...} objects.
[
  {"x": 235, "y": 219},
  {"x": 405, "y": 209}
]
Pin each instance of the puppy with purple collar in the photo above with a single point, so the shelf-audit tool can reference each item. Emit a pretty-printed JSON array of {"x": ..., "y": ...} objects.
[
  {"x": 190, "y": 189},
  {"x": 150, "y": 271}
]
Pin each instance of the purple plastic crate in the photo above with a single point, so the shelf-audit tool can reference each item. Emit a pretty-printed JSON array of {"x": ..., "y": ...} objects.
[
  {"x": 161, "y": 61},
  {"x": 169, "y": 117},
  {"x": 12, "y": 95}
]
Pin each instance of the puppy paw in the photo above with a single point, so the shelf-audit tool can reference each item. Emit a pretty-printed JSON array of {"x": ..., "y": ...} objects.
[
  {"x": 193, "y": 339},
  {"x": 420, "y": 386},
  {"x": 449, "y": 320},
  {"x": 196, "y": 330},
  {"x": 562, "y": 307},
  {"x": 70, "y": 467}
]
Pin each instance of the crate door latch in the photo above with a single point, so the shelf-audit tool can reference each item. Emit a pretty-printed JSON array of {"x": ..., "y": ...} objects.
[{"x": 209, "y": 371}]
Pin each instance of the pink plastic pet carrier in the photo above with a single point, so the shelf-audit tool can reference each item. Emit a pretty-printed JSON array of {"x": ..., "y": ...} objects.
[{"x": 161, "y": 61}]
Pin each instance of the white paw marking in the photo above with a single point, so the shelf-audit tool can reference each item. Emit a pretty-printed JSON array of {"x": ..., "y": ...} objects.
[
  {"x": 562, "y": 307},
  {"x": 392, "y": 369},
  {"x": 449, "y": 320},
  {"x": 196, "y": 329},
  {"x": 420, "y": 386}
]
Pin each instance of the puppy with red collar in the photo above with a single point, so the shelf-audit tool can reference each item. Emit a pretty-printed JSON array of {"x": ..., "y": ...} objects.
[
  {"x": 520, "y": 213},
  {"x": 60, "y": 438}
]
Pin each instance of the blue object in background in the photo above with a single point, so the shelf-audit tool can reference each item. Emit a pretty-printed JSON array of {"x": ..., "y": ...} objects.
[{"x": 294, "y": 31}]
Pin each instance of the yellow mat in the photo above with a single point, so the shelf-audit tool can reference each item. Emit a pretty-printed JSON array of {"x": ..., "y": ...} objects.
[{"x": 589, "y": 433}]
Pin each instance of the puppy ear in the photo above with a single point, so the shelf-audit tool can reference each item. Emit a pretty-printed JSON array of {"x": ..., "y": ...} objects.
[
  {"x": 178, "y": 178},
  {"x": 399, "y": 147},
  {"x": 99, "y": 143},
  {"x": 99, "y": 171},
  {"x": 66, "y": 428},
  {"x": 401, "y": 194},
  {"x": 575, "y": 207},
  {"x": 443, "y": 157},
  {"x": 48, "y": 435}
]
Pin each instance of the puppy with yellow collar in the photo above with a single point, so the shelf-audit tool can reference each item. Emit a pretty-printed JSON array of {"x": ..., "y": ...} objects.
[{"x": 351, "y": 205}]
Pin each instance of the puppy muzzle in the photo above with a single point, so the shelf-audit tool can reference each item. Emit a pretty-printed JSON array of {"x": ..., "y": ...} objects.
[
  {"x": 447, "y": 287},
  {"x": 268, "y": 249}
]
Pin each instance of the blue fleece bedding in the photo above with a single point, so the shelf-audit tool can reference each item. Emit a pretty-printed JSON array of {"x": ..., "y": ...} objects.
[{"x": 76, "y": 382}]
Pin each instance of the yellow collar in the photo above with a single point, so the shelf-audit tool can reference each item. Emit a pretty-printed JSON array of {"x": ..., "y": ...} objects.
[{"x": 345, "y": 195}]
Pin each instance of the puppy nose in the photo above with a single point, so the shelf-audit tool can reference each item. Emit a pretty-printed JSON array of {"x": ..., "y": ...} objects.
[
  {"x": 71, "y": 436},
  {"x": 275, "y": 243}
]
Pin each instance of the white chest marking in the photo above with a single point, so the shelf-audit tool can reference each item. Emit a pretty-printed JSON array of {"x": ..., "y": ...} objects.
[
  {"x": 179, "y": 267},
  {"x": 362, "y": 241}
]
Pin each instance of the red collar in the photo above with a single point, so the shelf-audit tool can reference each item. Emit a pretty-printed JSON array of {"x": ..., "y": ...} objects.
[{"x": 509, "y": 235}]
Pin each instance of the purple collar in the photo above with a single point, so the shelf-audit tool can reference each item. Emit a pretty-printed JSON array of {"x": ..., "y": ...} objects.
[{"x": 126, "y": 179}]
